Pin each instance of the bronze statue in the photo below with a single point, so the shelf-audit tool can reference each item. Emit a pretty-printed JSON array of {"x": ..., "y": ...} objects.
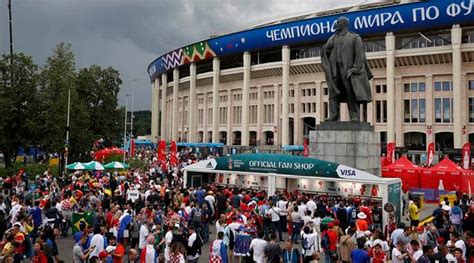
[{"x": 346, "y": 70}]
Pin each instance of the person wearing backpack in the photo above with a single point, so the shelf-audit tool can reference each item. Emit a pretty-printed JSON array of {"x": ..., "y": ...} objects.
[
  {"x": 194, "y": 245},
  {"x": 310, "y": 245},
  {"x": 196, "y": 218}
]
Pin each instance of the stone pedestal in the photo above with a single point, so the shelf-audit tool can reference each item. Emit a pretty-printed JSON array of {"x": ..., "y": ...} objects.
[{"x": 354, "y": 144}]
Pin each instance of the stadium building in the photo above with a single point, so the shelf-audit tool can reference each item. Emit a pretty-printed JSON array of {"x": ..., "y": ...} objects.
[{"x": 265, "y": 86}]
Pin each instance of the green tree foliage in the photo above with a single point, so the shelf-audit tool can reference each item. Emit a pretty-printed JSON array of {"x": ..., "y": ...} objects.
[
  {"x": 18, "y": 104},
  {"x": 142, "y": 123},
  {"x": 57, "y": 78},
  {"x": 33, "y": 107},
  {"x": 99, "y": 88}
]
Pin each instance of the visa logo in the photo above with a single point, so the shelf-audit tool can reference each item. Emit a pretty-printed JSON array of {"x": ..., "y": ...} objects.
[{"x": 347, "y": 172}]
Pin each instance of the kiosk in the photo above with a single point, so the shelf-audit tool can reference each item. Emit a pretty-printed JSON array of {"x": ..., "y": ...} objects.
[{"x": 274, "y": 172}]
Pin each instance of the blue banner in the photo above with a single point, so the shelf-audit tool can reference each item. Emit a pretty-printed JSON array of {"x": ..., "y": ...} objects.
[{"x": 394, "y": 18}]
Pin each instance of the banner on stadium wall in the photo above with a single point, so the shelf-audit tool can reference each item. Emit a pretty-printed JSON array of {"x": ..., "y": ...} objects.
[{"x": 394, "y": 18}]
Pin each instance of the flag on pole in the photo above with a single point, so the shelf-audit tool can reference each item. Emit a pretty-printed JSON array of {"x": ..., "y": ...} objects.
[
  {"x": 132, "y": 148},
  {"x": 77, "y": 219},
  {"x": 430, "y": 153},
  {"x": 466, "y": 156},
  {"x": 305, "y": 148},
  {"x": 162, "y": 151},
  {"x": 173, "y": 151}
]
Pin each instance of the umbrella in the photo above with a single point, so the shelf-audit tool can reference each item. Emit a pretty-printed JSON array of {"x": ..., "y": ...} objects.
[
  {"x": 116, "y": 165},
  {"x": 94, "y": 165},
  {"x": 76, "y": 166}
]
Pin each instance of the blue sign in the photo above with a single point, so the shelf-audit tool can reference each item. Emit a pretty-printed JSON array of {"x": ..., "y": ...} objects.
[{"x": 394, "y": 18}]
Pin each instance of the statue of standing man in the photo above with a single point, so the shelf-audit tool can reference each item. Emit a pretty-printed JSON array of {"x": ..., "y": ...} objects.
[{"x": 346, "y": 70}]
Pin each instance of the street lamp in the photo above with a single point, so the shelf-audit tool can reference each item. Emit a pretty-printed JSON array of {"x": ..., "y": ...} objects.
[
  {"x": 133, "y": 79},
  {"x": 125, "y": 128}
]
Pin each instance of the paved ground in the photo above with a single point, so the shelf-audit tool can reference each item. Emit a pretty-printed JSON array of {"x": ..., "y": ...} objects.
[{"x": 65, "y": 245}]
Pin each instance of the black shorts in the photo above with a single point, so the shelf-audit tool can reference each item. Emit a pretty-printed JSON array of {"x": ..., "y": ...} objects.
[{"x": 414, "y": 223}]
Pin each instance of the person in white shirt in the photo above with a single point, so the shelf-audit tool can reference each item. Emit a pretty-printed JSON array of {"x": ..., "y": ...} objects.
[
  {"x": 310, "y": 244},
  {"x": 193, "y": 253},
  {"x": 417, "y": 251},
  {"x": 295, "y": 219},
  {"x": 258, "y": 247},
  {"x": 168, "y": 240},
  {"x": 302, "y": 209},
  {"x": 398, "y": 254},
  {"x": 311, "y": 206},
  {"x": 274, "y": 212},
  {"x": 97, "y": 241},
  {"x": 457, "y": 242},
  {"x": 142, "y": 236},
  {"x": 210, "y": 198},
  {"x": 283, "y": 205}
]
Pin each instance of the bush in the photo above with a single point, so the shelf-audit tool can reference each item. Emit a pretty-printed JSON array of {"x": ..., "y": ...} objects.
[
  {"x": 137, "y": 164},
  {"x": 32, "y": 169}
]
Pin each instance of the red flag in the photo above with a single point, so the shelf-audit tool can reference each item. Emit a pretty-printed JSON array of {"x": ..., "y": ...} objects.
[
  {"x": 466, "y": 156},
  {"x": 390, "y": 152},
  {"x": 173, "y": 157},
  {"x": 305, "y": 148},
  {"x": 162, "y": 151},
  {"x": 132, "y": 148},
  {"x": 430, "y": 154}
]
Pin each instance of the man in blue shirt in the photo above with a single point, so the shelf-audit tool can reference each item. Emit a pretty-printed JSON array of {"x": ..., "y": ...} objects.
[
  {"x": 359, "y": 255},
  {"x": 37, "y": 216}
]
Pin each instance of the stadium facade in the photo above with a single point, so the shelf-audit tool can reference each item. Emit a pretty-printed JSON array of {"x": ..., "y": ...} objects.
[{"x": 265, "y": 85}]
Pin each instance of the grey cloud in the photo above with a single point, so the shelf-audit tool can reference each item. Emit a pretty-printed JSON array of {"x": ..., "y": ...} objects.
[{"x": 129, "y": 34}]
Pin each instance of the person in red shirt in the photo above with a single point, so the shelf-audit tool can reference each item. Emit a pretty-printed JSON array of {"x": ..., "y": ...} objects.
[
  {"x": 39, "y": 256},
  {"x": 333, "y": 236},
  {"x": 367, "y": 211},
  {"x": 119, "y": 252},
  {"x": 361, "y": 222},
  {"x": 377, "y": 254}
]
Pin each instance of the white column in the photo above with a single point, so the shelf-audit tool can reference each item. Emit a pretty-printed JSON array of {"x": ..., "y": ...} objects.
[
  {"x": 399, "y": 120},
  {"x": 259, "y": 114},
  {"x": 456, "y": 36},
  {"x": 285, "y": 127},
  {"x": 390, "y": 51},
  {"x": 153, "y": 112},
  {"x": 192, "y": 104},
  {"x": 204, "y": 119},
  {"x": 164, "y": 84},
  {"x": 429, "y": 109},
  {"x": 319, "y": 102},
  {"x": 245, "y": 100},
  {"x": 215, "y": 100},
  {"x": 175, "y": 124},
  {"x": 156, "y": 98},
  {"x": 298, "y": 124},
  {"x": 276, "y": 116},
  {"x": 229, "y": 117}
]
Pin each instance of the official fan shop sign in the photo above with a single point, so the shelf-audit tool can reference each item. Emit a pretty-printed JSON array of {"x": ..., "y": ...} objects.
[
  {"x": 400, "y": 17},
  {"x": 289, "y": 165}
]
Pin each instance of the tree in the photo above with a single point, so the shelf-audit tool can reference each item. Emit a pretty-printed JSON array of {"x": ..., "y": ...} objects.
[
  {"x": 57, "y": 78},
  {"x": 99, "y": 88},
  {"x": 18, "y": 103},
  {"x": 142, "y": 123}
]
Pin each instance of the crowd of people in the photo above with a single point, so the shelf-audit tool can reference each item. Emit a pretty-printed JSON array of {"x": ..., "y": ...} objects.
[{"x": 148, "y": 216}]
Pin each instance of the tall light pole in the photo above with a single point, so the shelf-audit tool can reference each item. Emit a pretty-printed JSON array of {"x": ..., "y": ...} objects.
[
  {"x": 66, "y": 143},
  {"x": 132, "y": 79},
  {"x": 125, "y": 128},
  {"x": 10, "y": 23}
]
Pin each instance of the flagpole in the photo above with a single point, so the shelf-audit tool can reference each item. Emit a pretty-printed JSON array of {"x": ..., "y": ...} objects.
[{"x": 125, "y": 128}]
